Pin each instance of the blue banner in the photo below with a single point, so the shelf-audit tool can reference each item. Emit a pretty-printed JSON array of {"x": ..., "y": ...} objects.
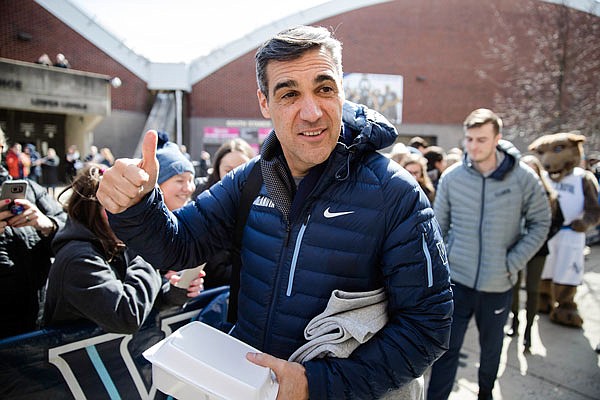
[{"x": 82, "y": 361}]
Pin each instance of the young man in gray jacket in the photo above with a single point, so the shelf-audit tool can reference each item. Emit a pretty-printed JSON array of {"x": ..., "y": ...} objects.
[{"x": 494, "y": 215}]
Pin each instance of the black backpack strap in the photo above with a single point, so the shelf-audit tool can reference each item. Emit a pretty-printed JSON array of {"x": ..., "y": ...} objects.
[{"x": 249, "y": 193}]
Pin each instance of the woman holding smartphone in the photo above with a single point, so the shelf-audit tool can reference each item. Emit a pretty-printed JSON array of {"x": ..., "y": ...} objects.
[{"x": 27, "y": 227}]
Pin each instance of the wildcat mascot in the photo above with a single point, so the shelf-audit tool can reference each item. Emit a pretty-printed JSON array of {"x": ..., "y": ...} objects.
[{"x": 560, "y": 154}]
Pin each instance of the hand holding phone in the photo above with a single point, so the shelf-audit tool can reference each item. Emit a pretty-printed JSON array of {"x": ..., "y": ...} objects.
[{"x": 13, "y": 189}]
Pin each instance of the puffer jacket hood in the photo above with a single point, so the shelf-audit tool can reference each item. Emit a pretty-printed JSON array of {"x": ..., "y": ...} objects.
[
  {"x": 363, "y": 131},
  {"x": 365, "y": 128}
]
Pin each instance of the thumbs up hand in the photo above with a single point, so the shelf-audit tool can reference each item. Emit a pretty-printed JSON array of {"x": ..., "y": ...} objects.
[{"x": 128, "y": 180}]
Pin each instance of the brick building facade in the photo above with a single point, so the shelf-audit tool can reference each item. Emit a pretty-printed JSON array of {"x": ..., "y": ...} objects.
[{"x": 453, "y": 56}]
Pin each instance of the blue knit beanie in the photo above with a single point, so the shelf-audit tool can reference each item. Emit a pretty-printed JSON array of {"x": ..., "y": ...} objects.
[{"x": 170, "y": 159}]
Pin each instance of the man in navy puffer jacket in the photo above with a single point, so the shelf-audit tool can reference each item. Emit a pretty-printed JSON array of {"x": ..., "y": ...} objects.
[{"x": 332, "y": 214}]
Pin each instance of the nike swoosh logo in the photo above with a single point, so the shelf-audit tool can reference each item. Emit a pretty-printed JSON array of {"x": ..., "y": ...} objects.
[
  {"x": 499, "y": 311},
  {"x": 329, "y": 214}
]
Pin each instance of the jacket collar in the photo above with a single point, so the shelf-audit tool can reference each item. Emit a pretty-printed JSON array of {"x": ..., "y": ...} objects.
[{"x": 509, "y": 156}]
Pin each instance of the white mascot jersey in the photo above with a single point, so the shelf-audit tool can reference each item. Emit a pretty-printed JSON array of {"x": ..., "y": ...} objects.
[{"x": 564, "y": 264}]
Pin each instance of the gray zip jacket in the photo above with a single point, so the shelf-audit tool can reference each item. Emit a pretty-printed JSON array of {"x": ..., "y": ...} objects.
[{"x": 492, "y": 225}]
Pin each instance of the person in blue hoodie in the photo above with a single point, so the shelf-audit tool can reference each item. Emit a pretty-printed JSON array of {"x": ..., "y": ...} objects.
[
  {"x": 331, "y": 214},
  {"x": 35, "y": 173}
]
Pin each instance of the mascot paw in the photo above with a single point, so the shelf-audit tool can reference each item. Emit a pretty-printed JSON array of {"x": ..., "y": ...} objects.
[
  {"x": 567, "y": 317},
  {"x": 579, "y": 226}
]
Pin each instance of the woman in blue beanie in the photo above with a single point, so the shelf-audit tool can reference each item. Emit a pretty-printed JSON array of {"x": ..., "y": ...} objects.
[
  {"x": 176, "y": 181},
  {"x": 176, "y": 173}
]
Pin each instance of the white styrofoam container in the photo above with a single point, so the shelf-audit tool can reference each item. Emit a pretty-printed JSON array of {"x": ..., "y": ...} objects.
[{"x": 200, "y": 362}]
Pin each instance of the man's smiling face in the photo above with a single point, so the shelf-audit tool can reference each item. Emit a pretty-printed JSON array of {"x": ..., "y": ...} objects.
[{"x": 305, "y": 102}]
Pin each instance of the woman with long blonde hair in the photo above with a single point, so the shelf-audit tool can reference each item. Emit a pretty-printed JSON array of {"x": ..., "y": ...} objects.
[{"x": 417, "y": 166}]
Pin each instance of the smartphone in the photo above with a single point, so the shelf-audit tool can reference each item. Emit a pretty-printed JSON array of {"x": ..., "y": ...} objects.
[
  {"x": 188, "y": 275},
  {"x": 13, "y": 189}
]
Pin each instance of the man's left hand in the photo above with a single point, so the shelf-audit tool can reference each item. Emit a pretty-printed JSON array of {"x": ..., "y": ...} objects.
[{"x": 291, "y": 376}]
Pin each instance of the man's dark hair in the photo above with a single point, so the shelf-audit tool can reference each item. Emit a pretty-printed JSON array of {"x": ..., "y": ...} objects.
[
  {"x": 291, "y": 44},
  {"x": 433, "y": 154}
]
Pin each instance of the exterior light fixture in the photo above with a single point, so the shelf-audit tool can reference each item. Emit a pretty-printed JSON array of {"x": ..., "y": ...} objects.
[{"x": 115, "y": 82}]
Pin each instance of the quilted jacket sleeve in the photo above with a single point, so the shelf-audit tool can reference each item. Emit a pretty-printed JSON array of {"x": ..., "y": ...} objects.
[
  {"x": 420, "y": 307},
  {"x": 536, "y": 220},
  {"x": 189, "y": 236}
]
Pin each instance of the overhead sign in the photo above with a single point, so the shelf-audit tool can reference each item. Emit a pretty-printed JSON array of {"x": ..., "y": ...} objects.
[{"x": 29, "y": 87}]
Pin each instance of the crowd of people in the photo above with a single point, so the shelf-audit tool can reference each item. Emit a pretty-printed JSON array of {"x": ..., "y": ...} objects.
[
  {"x": 331, "y": 212},
  {"x": 23, "y": 160},
  {"x": 26, "y": 162},
  {"x": 74, "y": 161}
]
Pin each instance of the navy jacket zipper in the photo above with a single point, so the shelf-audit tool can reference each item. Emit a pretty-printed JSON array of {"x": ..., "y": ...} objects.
[{"x": 295, "y": 256}]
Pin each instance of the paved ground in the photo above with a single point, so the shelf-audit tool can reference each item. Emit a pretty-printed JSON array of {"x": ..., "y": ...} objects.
[{"x": 563, "y": 363}]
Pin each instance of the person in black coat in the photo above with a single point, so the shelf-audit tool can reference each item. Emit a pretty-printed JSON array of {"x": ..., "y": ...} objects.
[
  {"x": 49, "y": 166},
  {"x": 25, "y": 255},
  {"x": 95, "y": 277}
]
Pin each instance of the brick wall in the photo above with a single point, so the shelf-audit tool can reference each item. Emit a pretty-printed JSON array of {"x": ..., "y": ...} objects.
[
  {"x": 449, "y": 44},
  {"x": 41, "y": 32},
  {"x": 438, "y": 40},
  {"x": 453, "y": 54}
]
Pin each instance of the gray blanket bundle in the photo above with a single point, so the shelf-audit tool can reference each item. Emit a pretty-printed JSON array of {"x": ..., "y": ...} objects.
[{"x": 349, "y": 320}]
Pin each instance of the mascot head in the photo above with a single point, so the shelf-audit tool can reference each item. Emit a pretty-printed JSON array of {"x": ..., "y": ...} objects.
[{"x": 559, "y": 153}]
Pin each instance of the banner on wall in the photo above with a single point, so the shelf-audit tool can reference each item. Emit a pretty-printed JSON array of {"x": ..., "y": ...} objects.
[{"x": 380, "y": 92}]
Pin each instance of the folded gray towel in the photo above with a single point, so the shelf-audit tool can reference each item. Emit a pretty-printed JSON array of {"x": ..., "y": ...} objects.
[{"x": 350, "y": 319}]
